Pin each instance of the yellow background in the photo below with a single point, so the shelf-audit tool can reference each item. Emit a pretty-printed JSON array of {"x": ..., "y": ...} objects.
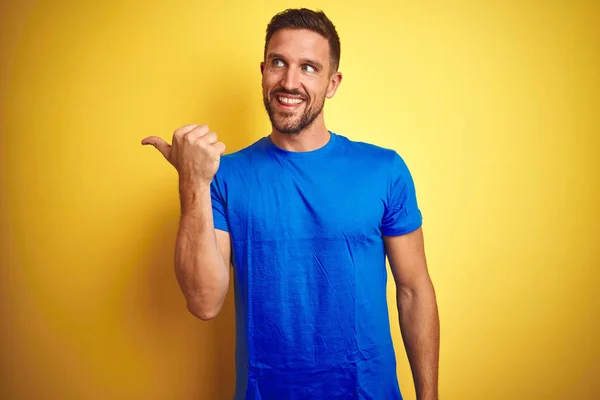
[{"x": 494, "y": 106}]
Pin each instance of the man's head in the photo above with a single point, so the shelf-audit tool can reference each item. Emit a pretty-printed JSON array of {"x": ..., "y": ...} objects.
[{"x": 300, "y": 68}]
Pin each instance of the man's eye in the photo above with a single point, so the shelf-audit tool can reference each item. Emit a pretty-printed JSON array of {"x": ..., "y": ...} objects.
[
  {"x": 308, "y": 68},
  {"x": 278, "y": 63}
]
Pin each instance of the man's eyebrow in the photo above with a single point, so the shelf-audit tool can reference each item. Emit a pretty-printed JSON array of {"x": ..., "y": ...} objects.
[
  {"x": 302, "y": 60},
  {"x": 312, "y": 62},
  {"x": 274, "y": 55}
]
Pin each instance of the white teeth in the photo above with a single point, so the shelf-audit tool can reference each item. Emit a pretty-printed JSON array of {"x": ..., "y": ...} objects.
[{"x": 287, "y": 100}]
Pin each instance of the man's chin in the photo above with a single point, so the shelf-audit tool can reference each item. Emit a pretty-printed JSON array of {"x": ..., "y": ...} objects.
[
  {"x": 286, "y": 126},
  {"x": 287, "y": 129}
]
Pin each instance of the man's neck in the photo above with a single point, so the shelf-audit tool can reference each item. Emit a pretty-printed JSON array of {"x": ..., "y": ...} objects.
[{"x": 312, "y": 138}]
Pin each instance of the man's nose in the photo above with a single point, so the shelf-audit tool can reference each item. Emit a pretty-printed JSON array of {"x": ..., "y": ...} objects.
[{"x": 291, "y": 79}]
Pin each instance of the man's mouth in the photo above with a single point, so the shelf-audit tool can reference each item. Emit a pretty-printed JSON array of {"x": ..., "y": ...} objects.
[{"x": 289, "y": 102}]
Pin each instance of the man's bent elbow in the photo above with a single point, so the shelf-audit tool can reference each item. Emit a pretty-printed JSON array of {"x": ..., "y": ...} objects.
[
  {"x": 203, "y": 312},
  {"x": 422, "y": 288}
]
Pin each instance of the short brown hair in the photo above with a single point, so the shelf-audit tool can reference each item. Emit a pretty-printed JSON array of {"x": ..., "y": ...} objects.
[{"x": 303, "y": 18}]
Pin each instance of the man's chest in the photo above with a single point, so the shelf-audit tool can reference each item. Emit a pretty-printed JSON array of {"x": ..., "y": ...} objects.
[{"x": 305, "y": 206}]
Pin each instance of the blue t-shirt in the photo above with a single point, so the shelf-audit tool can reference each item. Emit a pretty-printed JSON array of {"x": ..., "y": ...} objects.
[{"x": 309, "y": 266}]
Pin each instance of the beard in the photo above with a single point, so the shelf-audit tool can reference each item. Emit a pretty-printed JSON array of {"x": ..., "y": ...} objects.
[{"x": 291, "y": 123}]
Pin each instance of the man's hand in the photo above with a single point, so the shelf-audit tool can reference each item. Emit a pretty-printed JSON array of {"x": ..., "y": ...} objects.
[{"x": 195, "y": 152}]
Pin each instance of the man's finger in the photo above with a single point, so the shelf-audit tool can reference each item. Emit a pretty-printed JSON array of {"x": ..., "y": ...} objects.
[
  {"x": 209, "y": 138},
  {"x": 220, "y": 146},
  {"x": 193, "y": 134},
  {"x": 184, "y": 129},
  {"x": 160, "y": 145}
]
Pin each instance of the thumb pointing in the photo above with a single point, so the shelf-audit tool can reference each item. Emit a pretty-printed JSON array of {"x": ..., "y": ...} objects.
[{"x": 160, "y": 145}]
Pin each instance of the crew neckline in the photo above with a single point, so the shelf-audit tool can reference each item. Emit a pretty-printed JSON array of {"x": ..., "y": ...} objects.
[{"x": 302, "y": 154}]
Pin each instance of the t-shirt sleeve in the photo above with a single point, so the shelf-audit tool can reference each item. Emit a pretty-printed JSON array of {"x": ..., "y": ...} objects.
[
  {"x": 402, "y": 214},
  {"x": 219, "y": 206}
]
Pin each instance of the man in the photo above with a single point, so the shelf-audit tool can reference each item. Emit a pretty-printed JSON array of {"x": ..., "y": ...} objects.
[{"x": 306, "y": 217}]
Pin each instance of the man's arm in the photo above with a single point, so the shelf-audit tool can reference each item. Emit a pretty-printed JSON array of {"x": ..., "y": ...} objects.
[
  {"x": 202, "y": 254},
  {"x": 417, "y": 310}
]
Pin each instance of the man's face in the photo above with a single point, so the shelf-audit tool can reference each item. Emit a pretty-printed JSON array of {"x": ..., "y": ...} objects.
[{"x": 296, "y": 78}]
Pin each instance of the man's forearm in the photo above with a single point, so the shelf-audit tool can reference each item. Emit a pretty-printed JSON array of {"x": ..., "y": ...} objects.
[
  {"x": 199, "y": 265},
  {"x": 419, "y": 324}
]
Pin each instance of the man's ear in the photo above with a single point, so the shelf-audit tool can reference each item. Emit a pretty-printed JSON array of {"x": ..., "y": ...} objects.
[
  {"x": 334, "y": 83},
  {"x": 262, "y": 67}
]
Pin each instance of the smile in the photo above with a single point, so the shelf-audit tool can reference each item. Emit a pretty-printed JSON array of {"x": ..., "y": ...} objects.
[{"x": 289, "y": 100}]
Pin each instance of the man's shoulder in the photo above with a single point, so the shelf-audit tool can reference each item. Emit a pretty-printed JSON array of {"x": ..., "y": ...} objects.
[
  {"x": 234, "y": 165},
  {"x": 241, "y": 157},
  {"x": 369, "y": 150},
  {"x": 245, "y": 152}
]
